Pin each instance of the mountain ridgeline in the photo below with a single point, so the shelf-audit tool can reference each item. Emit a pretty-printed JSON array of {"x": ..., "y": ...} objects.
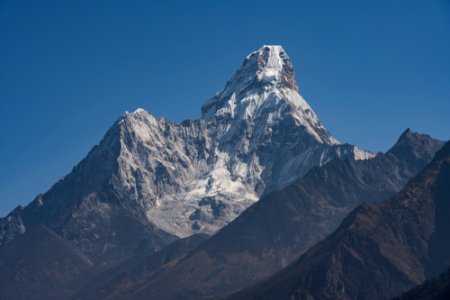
[
  {"x": 380, "y": 249},
  {"x": 283, "y": 224},
  {"x": 167, "y": 180},
  {"x": 206, "y": 207}
]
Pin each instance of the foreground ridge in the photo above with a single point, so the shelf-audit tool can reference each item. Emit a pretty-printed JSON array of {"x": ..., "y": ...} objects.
[
  {"x": 281, "y": 226},
  {"x": 379, "y": 251}
]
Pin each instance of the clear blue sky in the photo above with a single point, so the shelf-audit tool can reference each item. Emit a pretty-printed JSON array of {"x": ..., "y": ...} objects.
[{"x": 68, "y": 69}]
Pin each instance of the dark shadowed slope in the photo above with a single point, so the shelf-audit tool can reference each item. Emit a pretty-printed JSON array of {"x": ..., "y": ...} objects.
[
  {"x": 142, "y": 265},
  {"x": 40, "y": 265},
  {"x": 379, "y": 251},
  {"x": 282, "y": 225},
  {"x": 433, "y": 289}
]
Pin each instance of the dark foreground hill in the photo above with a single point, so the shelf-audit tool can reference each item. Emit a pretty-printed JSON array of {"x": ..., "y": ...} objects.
[
  {"x": 380, "y": 249},
  {"x": 281, "y": 226},
  {"x": 433, "y": 289},
  {"x": 40, "y": 265}
]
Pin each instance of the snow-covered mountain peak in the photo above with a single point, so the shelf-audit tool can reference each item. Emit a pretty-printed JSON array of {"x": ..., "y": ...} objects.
[
  {"x": 264, "y": 89},
  {"x": 270, "y": 63},
  {"x": 274, "y": 67},
  {"x": 263, "y": 72},
  {"x": 139, "y": 121},
  {"x": 255, "y": 136}
]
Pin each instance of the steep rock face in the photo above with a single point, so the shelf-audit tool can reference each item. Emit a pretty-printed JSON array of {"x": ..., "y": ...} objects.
[
  {"x": 167, "y": 180},
  {"x": 11, "y": 226},
  {"x": 379, "y": 251},
  {"x": 255, "y": 136},
  {"x": 283, "y": 224},
  {"x": 94, "y": 207}
]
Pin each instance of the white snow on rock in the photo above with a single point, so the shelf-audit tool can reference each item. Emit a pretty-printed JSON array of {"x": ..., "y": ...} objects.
[
  {"x": 256, "y": 135},
  {"x": 272, "y": 69}
]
